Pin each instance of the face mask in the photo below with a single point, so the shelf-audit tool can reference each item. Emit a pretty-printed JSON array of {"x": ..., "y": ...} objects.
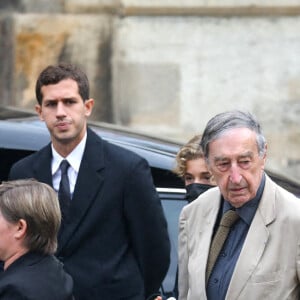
[{"x": 193, "y": 190}]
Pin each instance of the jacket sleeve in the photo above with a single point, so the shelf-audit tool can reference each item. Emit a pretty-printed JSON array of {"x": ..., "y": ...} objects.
[
  {"x": 147, "y": 225},
  {"x": 183, "y": 283}
]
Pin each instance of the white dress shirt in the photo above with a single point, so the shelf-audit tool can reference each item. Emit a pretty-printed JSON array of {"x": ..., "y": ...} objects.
[{"x": 74, "y": 159}]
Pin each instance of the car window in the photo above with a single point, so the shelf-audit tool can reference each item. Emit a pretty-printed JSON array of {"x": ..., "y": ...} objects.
[
  {"x": 7, "y": 158},
  {"x": 172, "y": 205}
]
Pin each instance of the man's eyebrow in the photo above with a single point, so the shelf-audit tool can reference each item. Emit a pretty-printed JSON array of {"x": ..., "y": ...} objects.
[
  {"x": 50, "y": 100},
  {"x": 69, "y": 98},
  {"x": 225, "y": 158},
  {"x": 246, "y": 154},
  {"x": 220, "y": 158},
  {"x": 63, "y": 99}
]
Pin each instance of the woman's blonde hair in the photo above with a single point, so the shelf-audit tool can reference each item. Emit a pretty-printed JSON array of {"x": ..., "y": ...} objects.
[
  {"x": 38, "y": 205},
  {"x": 190, "y": 151}
]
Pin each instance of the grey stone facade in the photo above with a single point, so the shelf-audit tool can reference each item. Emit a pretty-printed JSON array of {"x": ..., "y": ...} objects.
[{"x": 165, "y": 66}]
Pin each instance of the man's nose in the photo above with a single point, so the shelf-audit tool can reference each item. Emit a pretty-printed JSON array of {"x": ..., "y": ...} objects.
[
  {"x": 60, "y": 109},
  {"x": 235, "y": 175}
]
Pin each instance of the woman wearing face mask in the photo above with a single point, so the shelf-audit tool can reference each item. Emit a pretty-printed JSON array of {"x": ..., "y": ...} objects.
[{"x": 191, "y": 167}]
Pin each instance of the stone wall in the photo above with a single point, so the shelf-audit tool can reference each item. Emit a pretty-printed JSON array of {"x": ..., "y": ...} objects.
[{"x": 166, "y": 66}]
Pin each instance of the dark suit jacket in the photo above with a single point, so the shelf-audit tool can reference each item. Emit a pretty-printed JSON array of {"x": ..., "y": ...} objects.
[
  {"x": 35, "y": 276},
  {"x": 115, "y": 243}
]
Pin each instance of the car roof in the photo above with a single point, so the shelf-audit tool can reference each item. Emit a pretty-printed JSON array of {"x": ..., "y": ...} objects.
[
  {"x": 22, "y": 130},
  {"x": 31, "y": 134}
]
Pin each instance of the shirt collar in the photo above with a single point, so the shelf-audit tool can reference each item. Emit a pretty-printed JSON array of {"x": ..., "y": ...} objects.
[
  {"x": 247, "y": 211},
  {"x": 74, "y": 158}
]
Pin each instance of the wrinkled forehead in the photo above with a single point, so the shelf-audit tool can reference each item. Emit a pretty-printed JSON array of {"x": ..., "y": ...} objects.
[{"x": 236, "y": 141}]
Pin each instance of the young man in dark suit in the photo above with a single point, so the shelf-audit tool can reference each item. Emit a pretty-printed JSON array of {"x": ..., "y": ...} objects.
[
  {"x": 29, "y": 222},
  {"x": 113, "y": 239}
]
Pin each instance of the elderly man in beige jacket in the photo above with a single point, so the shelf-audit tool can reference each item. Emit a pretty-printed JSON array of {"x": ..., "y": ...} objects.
[{"x": 260, "y": 257}]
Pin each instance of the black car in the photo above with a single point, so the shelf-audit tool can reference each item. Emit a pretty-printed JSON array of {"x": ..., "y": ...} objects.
[{"x": 21, "y": 133}]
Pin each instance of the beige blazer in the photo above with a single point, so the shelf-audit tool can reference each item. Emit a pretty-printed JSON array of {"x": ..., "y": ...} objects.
[{"x": 269, "y": 263}]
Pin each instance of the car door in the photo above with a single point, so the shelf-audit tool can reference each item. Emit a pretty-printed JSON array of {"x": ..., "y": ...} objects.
[{"x": 173, "y": 200}]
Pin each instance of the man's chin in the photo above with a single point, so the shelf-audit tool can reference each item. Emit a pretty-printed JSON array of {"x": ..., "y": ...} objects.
[
  {"x": 238, "y": 200},
  {"x": 64, "y": 137}
]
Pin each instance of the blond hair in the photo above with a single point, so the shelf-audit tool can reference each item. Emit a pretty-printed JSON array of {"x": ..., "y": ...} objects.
[
  {"x": 190, "y": 151},
  {"x": 38, "y": 205}
]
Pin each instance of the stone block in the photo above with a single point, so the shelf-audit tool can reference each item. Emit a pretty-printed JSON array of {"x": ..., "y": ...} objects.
[
  {"x": 146, "y": 95},
  {"x": 220, "y": 64},
  {"x": 92, "y": 6},
  {"x": 185, "y": 8},
  {"x": 31, "y": 6},
  {"x": 37, "y": 40},
  {"x": 209, "y": 8}
]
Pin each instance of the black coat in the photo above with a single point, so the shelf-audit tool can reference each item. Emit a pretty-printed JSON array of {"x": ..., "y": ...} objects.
[
  {"x": 35, "y": 276},
  {"x": 115, "y": 244}
]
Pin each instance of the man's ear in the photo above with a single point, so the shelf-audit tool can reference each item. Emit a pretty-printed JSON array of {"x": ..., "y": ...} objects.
[
  {"x": 21, "y": 229},
  {"x": 89, "y": 104},
  {"x": 38, "y": 109},
  {"x": 265, "y": 156}
]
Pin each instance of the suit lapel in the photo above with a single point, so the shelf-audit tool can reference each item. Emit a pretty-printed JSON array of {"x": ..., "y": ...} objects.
[
  {"x": 251, "y": 253},
  {"x": 89, "y": 182},
  {"x": 206, "y": 230},
  {"x": 203, "y": 212},
  {"x": 255, "y": 243},
  {"x": 42, "y": 165}
]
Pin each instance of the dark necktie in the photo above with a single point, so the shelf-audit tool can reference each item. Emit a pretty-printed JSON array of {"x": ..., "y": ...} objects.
[
  {"x": 64, "y": 195},
  {"x": 228, "y": 219}
]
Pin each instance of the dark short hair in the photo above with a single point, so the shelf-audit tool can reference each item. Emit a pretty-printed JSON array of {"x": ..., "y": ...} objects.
[
  {"x": 53, "y": 74},
  {"x": 222, "y": 122}
]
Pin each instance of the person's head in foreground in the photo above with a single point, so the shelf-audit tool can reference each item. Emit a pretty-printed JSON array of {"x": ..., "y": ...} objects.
[{"x": 29, "y": 219}]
